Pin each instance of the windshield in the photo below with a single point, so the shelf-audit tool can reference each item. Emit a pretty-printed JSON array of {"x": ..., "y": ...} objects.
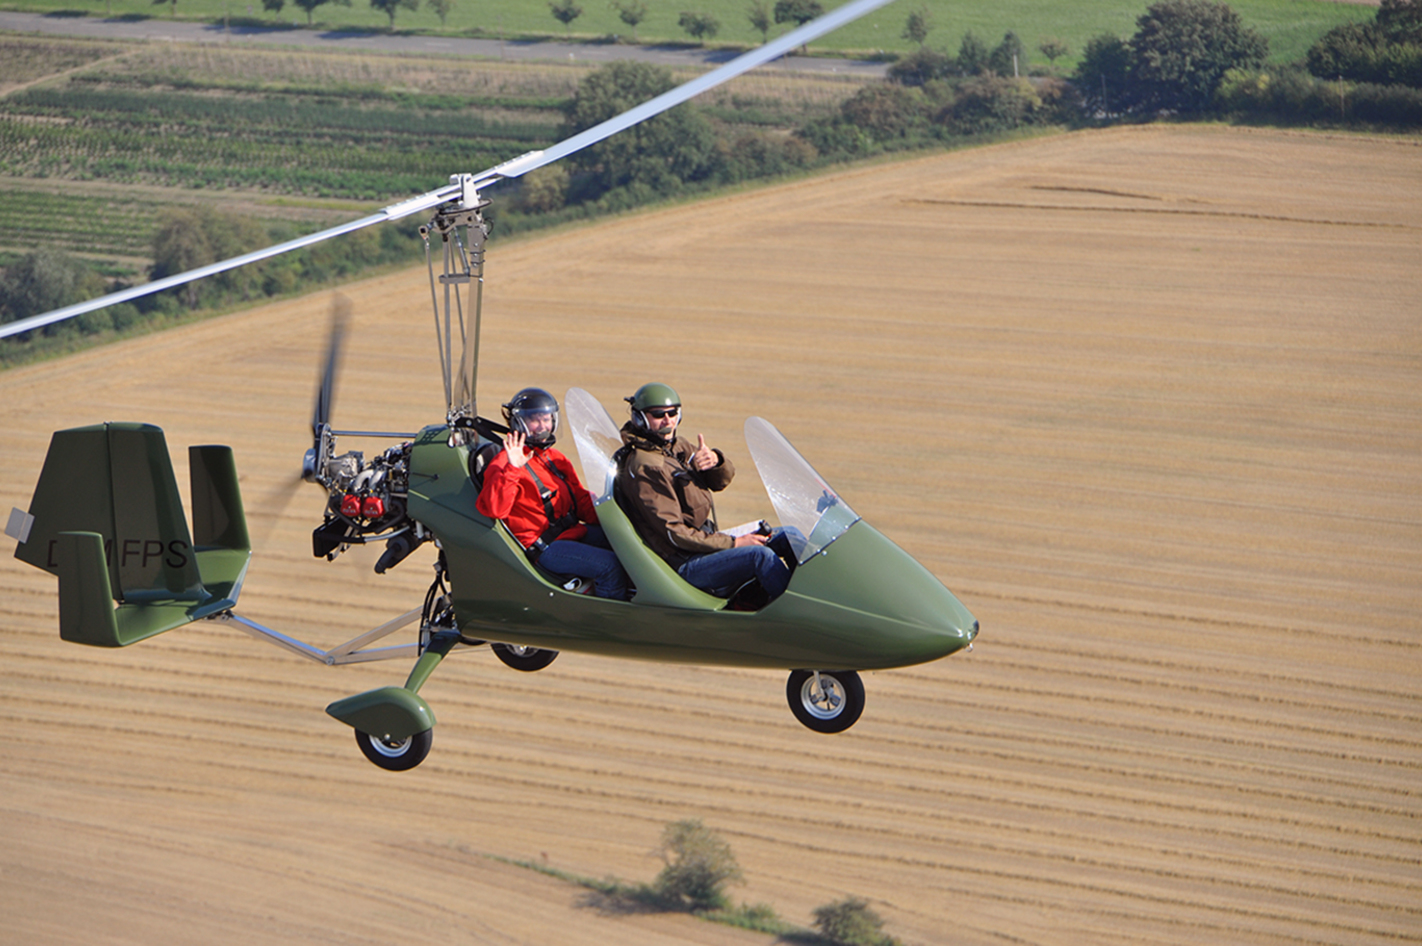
[
  {"x": 801, "y": 497},
  {"x": 596, "y": 438}
]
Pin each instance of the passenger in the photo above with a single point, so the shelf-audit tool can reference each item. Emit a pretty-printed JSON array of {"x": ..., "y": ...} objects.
[
  {"x": 536, "y": 491},
  {"x": 667, "y": 483}
]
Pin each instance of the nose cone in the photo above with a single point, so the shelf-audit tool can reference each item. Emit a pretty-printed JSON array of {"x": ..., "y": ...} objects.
[{"x": 876, "y": 606}]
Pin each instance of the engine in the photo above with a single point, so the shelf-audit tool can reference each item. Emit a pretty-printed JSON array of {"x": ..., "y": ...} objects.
[{"x": 367, "y": 503}]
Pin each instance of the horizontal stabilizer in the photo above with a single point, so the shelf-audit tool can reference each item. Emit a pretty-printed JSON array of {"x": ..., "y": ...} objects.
[{"x": 86, "y": 608}]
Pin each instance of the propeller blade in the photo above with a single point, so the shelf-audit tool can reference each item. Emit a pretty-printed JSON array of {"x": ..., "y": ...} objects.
[
  {"x": 463, "y": 187},
  {"x": 326, "y": 393},
  {"x": 263, "y": 517}
]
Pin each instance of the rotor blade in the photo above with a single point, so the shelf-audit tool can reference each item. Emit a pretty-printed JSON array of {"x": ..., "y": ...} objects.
[
  {"x": 393, "y": 212},
  {"x": 326, "y": 393},
  {"x": 463, "y": 187}
]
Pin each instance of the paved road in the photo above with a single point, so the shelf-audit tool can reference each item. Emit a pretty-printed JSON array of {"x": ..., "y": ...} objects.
[{"x": 168, "y": 30}]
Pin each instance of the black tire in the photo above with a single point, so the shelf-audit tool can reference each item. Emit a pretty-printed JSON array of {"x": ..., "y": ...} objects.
[
  {"x": 527, "y": 659},
  {"x": 834, "y": 709},
  {"x": 396, "y": 755}
]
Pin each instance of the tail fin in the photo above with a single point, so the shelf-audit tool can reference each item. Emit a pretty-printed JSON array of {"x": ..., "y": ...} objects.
[{"x": 106, "y": 518}]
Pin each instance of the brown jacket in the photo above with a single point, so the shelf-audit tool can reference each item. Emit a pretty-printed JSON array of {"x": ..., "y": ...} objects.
[{"x": 667, "y": 499}]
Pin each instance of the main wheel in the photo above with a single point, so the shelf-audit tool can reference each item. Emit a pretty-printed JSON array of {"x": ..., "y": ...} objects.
[
  {"x": 396, "y": 755},
  {"x": 832, "y": 704},
  {"x": 527, "y": 659}
]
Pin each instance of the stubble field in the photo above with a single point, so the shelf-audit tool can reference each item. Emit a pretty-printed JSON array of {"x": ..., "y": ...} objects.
[{"x": 1148, "y": 400}]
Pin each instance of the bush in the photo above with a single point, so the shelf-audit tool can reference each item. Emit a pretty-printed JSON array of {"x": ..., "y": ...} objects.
[
  {"x": 991, "y": 103},
  {"x": 885, "y": 110},
  {"x": 850, "y": 922},
  {"x": 1287, "y": 93},
  {"x": 544, "y": 190},
  {"x": 699, "y": 864},
  {"x": 921, "y": 66}
]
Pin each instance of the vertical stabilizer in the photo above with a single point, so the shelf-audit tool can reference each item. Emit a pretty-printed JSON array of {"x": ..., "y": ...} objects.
[{"x": 115, "y": 480}]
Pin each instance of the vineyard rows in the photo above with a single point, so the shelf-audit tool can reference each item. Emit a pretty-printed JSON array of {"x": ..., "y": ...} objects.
[{"x": 148, "y": 127}]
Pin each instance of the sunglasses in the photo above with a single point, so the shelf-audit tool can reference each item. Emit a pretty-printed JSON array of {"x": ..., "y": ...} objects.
[{"x": 661, "y": 412}]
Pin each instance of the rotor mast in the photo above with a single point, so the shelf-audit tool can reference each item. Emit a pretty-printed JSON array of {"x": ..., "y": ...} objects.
[{"x": 462, "y": 232}]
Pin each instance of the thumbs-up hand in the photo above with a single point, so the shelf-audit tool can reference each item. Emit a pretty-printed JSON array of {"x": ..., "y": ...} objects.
[{"x": 704, "y": 458}]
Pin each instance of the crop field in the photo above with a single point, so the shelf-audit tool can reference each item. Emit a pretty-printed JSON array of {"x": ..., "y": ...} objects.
[
  {"x": 1148, "y": 399},
  {"x": 133, "y": 129},
  {"x": 1291, "y": 26}
]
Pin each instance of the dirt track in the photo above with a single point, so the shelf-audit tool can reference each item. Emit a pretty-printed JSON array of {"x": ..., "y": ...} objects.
[{"x": 1148, "y": 400}]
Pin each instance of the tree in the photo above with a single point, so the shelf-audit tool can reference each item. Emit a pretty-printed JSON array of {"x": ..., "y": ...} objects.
[
  {"x": 187, "y": 238},
  {"x": 565, "y": 12},
  {"x": 630, "y": 12},
  {"x": 760, "y": 19},
  {"x": 1105, "y": 72},
  {"x": 441, "y": 9},
  {"x": 391, "y": 7},
  {"x": 1183, "y": 48},
  {"x": 701, "y": 26},
  {"x": 660, "y": 153},
  {"x": 973, "y": 55},
  {"x": 273, "y": 6},
  {"x": 1009, "y": 57},
  {"x": 699, "y": 864},
  {"x": 798, "y": 12},
  {"x": 1387, "y": 51},
  {"x": 308, "y": 5},
  {"x": 1401, "y": 20},
  {"x": 1053, "y": 48},
  {"x": 918, "y": 25},
  {"x": 43, "y": 280}
]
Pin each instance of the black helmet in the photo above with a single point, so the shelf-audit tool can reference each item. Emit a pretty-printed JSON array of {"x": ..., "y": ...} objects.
[
  {"x": 526, "y": 404},
  {"x": 649, "y": 396}
]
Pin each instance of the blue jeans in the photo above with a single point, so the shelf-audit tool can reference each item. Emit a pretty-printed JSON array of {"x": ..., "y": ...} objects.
[
  {"x": 721, "y": 573},
  {"x": 590, "y": 557}
]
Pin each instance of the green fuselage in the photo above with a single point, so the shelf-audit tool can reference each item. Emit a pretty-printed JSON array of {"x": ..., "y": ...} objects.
[{"x": 862, "y": 603}]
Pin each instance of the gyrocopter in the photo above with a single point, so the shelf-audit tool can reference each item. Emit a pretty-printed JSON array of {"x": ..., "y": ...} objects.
[{"x": 106, "y": 518}]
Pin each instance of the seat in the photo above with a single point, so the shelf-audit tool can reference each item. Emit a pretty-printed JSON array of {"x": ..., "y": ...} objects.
[{"x": 481, "y": 455}]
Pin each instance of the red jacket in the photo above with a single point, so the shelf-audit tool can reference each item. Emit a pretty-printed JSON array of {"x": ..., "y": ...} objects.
[{"x": 510, "y": 494}]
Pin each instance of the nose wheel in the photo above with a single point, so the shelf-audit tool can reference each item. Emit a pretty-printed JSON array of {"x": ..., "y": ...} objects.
[
  {"x": 396, "y": 755},
  {"x": 826, "y": 701}
]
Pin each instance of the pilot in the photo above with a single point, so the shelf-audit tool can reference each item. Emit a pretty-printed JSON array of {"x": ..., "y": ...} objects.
[
  {"x": 536, "y": 491},
  {"x": 666, "y": 482}
]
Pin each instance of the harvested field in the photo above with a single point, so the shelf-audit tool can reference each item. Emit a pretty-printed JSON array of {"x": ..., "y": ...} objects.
[{"x": 1149, "y": 400}]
